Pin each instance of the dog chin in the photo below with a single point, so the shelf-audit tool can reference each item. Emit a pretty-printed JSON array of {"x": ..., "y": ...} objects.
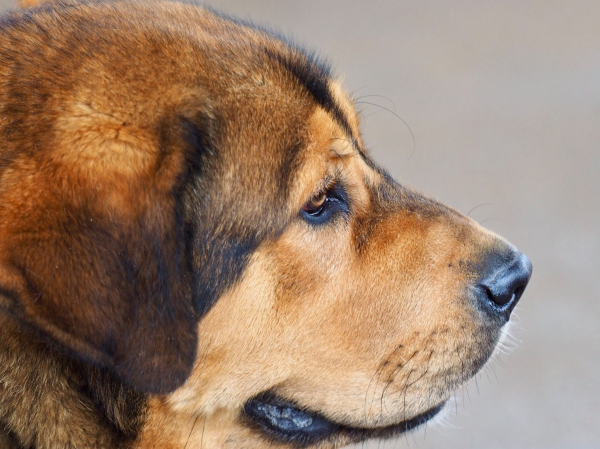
[{"x": 288, "y": 422}]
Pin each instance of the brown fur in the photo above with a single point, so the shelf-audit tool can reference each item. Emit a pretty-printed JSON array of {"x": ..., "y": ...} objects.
[{"x": 156, "y": 271}]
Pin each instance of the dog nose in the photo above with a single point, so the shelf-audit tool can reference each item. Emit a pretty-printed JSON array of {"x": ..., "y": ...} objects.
[{"x": 503, "y": 282}]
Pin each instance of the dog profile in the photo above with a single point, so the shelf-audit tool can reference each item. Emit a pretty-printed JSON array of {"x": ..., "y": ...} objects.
[{"x": 196, "y": 249}]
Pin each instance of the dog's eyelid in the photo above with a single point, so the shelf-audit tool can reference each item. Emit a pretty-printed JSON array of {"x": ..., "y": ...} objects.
[
  {"x": 329, "y": 182},
  {"x": 326, "y": 183},
  {"x": 342, "y": 151},
  {"x": 343, "y": 143}
]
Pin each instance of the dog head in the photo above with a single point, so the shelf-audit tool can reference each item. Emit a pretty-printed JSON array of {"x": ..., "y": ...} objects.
[{"x": 186, "y": 197}]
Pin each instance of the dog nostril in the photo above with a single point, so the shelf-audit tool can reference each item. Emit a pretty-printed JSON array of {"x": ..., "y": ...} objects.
[
  {"x": 488, "y": 293},
  {"x": 504, "y": 282},
  {"x": 503, "y": 297}
]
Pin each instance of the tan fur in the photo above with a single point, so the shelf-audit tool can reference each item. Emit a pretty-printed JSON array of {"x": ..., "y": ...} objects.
[{"x": 158, "y": 269}]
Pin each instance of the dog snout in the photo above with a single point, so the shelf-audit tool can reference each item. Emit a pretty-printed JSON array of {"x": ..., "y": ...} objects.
[{"x": 503, "y": 281}]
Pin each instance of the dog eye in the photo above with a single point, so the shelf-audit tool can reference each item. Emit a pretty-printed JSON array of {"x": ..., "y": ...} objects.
[
  {"x": 316, "y": 204},
  {"x": 325, "y": 205}
]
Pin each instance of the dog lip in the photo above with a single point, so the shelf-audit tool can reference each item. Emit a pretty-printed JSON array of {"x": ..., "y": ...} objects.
[{"x": 288, "y": 422}]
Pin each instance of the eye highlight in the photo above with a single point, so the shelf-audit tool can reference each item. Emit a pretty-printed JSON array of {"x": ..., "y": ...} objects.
[{"x": 326, "y": 205}]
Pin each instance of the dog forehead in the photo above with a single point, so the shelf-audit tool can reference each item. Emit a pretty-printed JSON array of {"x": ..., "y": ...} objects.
[
  {"x": 255, "y": 81},
  {"x": 261, "y": 90}
]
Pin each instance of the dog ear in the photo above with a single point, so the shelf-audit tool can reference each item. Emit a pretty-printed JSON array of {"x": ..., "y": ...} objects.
[{"x": 93, "y": 247}]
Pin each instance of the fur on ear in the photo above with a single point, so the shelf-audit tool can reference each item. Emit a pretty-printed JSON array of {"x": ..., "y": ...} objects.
[
  {"x": 96, "y": 243},
  {"x": 93, "y": 246}
]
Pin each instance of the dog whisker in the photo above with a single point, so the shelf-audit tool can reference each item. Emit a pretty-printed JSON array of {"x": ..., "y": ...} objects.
[
  {"x": 358, "y": 99},
  {"x": 190, "y": 434},
  {"x": 414, "y": 142},
  {"x": 473, "y": 209}
]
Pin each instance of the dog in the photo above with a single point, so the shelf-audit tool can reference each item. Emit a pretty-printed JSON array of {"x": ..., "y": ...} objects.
[{"x": 196, "y": 250}]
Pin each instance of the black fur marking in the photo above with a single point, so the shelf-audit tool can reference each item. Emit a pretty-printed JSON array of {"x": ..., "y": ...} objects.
[
  {"x": 313, "y": 74},
  {"x": 224, "y": 232},
  {"x": 219, "y": 249},
  {"x": 310, "y": 70},
  {"x": 224, "y": 260},
  {"x": 10, "y": 295},
  {"x": 8, "y": 439},
  {"x": 125, "y": 408}
]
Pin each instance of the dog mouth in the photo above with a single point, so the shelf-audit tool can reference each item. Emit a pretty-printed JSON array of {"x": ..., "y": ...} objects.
[{"x": 291, "y": 423}]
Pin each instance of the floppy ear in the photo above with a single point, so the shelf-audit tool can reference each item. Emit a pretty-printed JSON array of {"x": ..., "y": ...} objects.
[{"x": 93, "y": 246}]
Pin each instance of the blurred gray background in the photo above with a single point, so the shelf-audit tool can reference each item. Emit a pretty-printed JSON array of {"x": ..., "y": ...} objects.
[{"x": 503, "y": 99}]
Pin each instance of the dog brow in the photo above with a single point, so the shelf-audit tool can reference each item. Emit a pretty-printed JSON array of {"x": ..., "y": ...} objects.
[
  {"x": 314, "y": 75},
  {"x": 344, "y": 148},
  {"x": 352, "y": 140}
]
